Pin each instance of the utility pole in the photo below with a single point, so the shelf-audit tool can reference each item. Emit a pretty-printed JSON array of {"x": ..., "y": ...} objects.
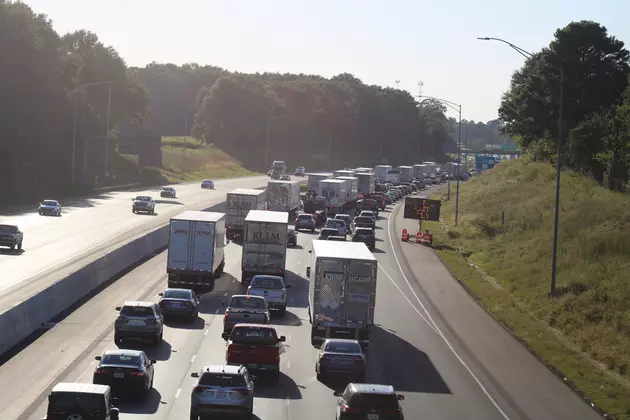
[
  {"x": 109, "y": 104},
  {"x": 397, "y": 84}
]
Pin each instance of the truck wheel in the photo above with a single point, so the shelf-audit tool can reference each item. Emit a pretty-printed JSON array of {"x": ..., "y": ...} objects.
[
  {"x": 313, "y": 230},
  {"x": 193, "y": 415},
  {"x": 283, "y": 310}
]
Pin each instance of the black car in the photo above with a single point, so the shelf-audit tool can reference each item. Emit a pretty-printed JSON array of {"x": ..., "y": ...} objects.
[
  {"x": 364, "y": 221},
  {"x": 341, "y": 357},
  {"x": 365, "y": 235},
  {"x": 326, "y": 232},
  {"x": 81, "y": 401},
  {"x": 291, "y": 238},
  {"x": 179, "y": 302},
  {"x": 369, "y": 401},
  {"x": 125, "y": 370},
  {"x": 368, "y": 204}
]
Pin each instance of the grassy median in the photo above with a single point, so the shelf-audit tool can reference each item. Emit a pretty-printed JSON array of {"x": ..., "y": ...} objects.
[{"x": 501, "y": 252}]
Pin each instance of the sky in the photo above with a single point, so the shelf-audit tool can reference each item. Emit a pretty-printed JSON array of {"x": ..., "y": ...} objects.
[{"x": 380, "y": 42}]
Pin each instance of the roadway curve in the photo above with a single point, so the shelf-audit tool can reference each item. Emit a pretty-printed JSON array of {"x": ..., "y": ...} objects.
[
  {"x": 56, "y": 246},
  {"x": 422, "y": 358}
]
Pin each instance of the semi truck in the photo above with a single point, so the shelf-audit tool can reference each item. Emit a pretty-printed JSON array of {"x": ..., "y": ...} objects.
[
  {"x": 342, "y": 291},
  {"x": 343, "y": 172},
  {"x": 278, "y": 168},
  {"x": 406, "y": 173},
  {"x": 334, "y": 193},
  {"x": 393, "y": 176},
  {"x": 366, "y": 183},
  {"x": 380, "y": 171},
  {"x": 196, "y": 254},
  {"x": 431, "y": 167},
  {"x": 238, "y": 203},
  {"x": 352, "y": 188},
  {"x": 419, "y": 170},
  {"x": 283, "y": 196},
  {"x": 264, "y": 244},
  {"x": 313, "y": 179}
]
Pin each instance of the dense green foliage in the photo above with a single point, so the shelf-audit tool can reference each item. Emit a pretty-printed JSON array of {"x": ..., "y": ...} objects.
[
  {"x": 596, "y": 111},
  {"x": 479, "y": 136}
]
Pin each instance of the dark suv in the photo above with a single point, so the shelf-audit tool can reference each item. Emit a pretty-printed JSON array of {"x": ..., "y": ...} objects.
[
  {"x": 81, "y": 401},
  {"x": 365, "y": 235},
  {"x": 140, "y": 320},
  {"x": 369, "y": 401}
]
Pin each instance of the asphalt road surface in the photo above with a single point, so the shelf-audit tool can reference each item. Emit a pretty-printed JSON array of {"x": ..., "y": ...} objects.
[
  {"x": 89, "y": 225},
  {"x": 410, "y": 351}
]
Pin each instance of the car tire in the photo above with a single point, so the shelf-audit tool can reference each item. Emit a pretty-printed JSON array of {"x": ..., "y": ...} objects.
[
  {"x": 193, "y": 415},
  {"x": 13, "y": 247},
  {"x": 283, "y": 310},
  {"x": 19, "y": 247},
  {"x": 313, "y": 230},
  {"x": 133, "y": 211},
  {"x": 194, "y": 317}
]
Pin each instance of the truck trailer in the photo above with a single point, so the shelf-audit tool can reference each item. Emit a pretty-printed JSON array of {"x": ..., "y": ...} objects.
[
  {"x": 342, "y": 291},
  {"x": 419, "y": 170},
  {"x": 264, "y": 244},
  {"x": 352, "y": 188},
  {"x": 283, "y": 196},
  {"x": 380, "y": 171},
  {"x": 196, "y": 250},
  {"x": 334, "y": 193},
  {"x": 313, "y": 179},
  {"x": 238, "y": 203},
  {"x": 366, "y": 183},
  {"x": 393, "y": 176},
  {"x": 406, "y": 173},
  {"x": 431, "y": 167},
  {"x": 343, "y": 172}
]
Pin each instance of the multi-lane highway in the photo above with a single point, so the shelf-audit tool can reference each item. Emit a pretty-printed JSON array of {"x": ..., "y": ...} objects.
[
  {"x": 424, "y": 360},
  {"x": 55, "y": 246}
]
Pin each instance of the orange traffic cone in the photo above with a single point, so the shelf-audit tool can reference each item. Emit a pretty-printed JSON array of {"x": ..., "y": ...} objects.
[{"x": 405, "y": 235}]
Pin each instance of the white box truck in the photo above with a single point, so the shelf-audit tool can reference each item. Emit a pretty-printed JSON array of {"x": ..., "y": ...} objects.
[
  {"x": 283, "y": 196},
  {"x": 406, "y": 173},
  {"x": 196, "y": 250},
  {"x": 366, "y": 183},
  {"x": 238, "y": 203},
  {"x": 393, "y": 176},
  {"x": 352, "y": 188},
  {"x": 419, "y": 170},
  {"x": 334, "y": 193},
  {"x": 431, "y": 167},
  {"x": 264, "y": 244},
  {"x": 343, "y": 172},
  {"x": 380, "y": 171},
  {"x": 342, "y": 291},
  {"x": 313, "y": 179}
]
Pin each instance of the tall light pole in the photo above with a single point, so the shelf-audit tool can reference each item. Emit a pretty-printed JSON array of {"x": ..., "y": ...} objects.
[
  {"x": 268, "y": 136},
  {"x": 397, "y": 83},
  {"x": 457, "y": 108},
  {"x": 186, "y": 133},
  {"x": 556, "y": 216},
  {"x": 74, "y": 131}
]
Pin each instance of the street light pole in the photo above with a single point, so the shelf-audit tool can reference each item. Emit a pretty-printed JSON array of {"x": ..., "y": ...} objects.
[
  {"x": 556, "y": 220},
  {"x": 109, "y": 106},
  {"x": 74, "y": 141}
]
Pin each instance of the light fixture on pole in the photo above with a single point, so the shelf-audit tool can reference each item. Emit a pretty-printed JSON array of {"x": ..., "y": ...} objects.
[{"x": 556, "y": 217}]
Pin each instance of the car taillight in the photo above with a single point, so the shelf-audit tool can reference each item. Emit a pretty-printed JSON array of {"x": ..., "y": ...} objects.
[
  {"x": 357, "y": 360},
  {"x": 98, "y": 371},
  {"x": 186, "y": 303},
  {"x": 243, "y": 391},
  {"x": 136, "y": 373},
  {"x": 199, "y": 389},
  {"x": 348, "y": 409}
]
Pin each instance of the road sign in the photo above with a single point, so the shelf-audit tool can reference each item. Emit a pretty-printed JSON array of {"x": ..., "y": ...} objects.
[{"x": 422, "y": 209}]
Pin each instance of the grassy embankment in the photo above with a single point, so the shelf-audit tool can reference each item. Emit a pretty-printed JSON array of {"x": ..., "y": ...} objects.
[
  {"x": 198, "y": 160},
  {"x": 584, "y": 333}
]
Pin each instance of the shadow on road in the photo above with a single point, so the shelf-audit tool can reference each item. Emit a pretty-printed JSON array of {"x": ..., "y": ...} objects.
[
  {"x": 213, "y": 301},
  {"x": 149, "y": 405},
  {"x": 160, "y": 353},
  {"x": 168, "y": 202},
  {"x": 289, "y": 319},
  {"x": 297, "y": 295},
  {"x": 405, "y": 367},
  {"x": 286, "y": 389},
  {"x": 181, "y": 323},
  {"x": 14, "y": 253}
]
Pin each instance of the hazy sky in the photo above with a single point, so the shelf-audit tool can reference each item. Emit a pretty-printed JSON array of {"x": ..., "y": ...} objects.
[{"x": 377, "y": 41}]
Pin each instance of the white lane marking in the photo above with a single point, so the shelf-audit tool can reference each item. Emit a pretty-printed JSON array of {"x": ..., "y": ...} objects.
[
  {"x": 437, "y": 329},
  {"x": 225, "y": 294},
  {"x": 217, "y": 311},
  {"x": 192, "y": 359},
  {"x": 206, "y": 331},
  {"x": 407, "y": 299},
  {"x": 287, "y": 400},
  {"x": 179, "y": 390},
  {"x": 289, "y": 365}
]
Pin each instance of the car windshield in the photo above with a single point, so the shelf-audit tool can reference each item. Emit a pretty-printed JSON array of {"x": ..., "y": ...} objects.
[
  {"x": 378, "y": 402},
  {"x": 69, "y": 400},
  {"x": 367, "y": 214},
  {"x": 120, "y": 359},
  {"x": 49, "y": 203},
  {"x": 136, "y": 311},
  {"x": 8, "y": 229},
  {"x": 177, "y": 294},
  {"x": 363, "y": 219},
  {"x": 247, "y": 302},
  {"x": 305, "y": 217},
  {"x": 342, "y": 347},
  {"x": 328, "y": 231},
  {"x": 167, "y": 189},
  {"x": 143, "y": 198},
  {"x": 254, "y": 334},
  {"x": 267, "y": 282},
  {"x": 207, "y": 181},
  {"x": 223, "y": 379},
  {"x": 369, "y": 202},
  {"x": 364, "y": 232},
  {"x": 343, "y": 217}
]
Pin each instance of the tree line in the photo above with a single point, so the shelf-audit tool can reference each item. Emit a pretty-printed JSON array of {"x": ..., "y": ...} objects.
[{"x": 594, "y": 69}]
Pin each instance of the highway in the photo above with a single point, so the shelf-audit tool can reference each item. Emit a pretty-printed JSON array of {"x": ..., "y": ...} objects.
[
  {"x": 55, "y": 246},
  {"x": 418, "y": 355}
]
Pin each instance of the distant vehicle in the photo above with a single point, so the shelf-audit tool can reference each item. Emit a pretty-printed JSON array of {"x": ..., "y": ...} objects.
[
  {"x": 300, "y": 171},
  {"x": 168, "y": 192},
  {"x": 72, "y": 400},
  {"x": 336, "y": 238},
  {"x": 238, "y": 204},
  {"x": 339, "y": 225},
  {"x": 244, "y": 308},
  {"x": 291, "y": 237},
  {"x": 207, "y": 184},
  {"x": 324, "y": 233},
  {"x": 125, "y": 370},
  {"x": 305, "y": 221},
  {"x": 285, "y": 177},
  {"x": 11, "y": 236},
  {"x": 139, "y": 320},
  {"x": 269, "y": 172},
  {"x": 143, "y": 203},
  {"x": 364, "y": 221},
  {"x": 341, "y": 357},
  {"x": 273, "y": 289},
  {"x": 50, "y": 208},
  {"x": 365, "y": 235},
  {"x": 256, "y": 346},
  {"x": 368, "y": 204},
  {"x": 221, "y": 389},
  {"x": 278, "y": 168},
  {"x": 179, "y": 302},
  {"x": 346, "y": 219},
  {"x": 369, "y": 401}
]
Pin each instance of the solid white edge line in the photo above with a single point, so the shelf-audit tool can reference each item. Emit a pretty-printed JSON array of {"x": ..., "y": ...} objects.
[
  {"x": 179, "y": 390},
  {"x": 437, "y": 329}
]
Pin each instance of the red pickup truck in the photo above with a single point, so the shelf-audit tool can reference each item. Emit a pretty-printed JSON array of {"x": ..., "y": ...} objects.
[{"x": 256, "y": 346}]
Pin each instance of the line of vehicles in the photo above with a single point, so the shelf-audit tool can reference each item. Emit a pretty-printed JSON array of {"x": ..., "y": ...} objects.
[{"x": 341, "y": 297}]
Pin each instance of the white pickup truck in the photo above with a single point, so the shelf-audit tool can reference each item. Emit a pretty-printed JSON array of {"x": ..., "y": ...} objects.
[{"x": 273, "y": 289}]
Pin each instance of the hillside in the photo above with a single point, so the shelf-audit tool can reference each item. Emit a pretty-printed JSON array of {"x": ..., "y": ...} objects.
[{"x": 585, "y": 331}]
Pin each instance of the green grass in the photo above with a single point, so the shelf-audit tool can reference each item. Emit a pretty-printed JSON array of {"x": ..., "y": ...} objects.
[
  {"x": 584, "y": 332},
  {"x": 198, "y": 160}
]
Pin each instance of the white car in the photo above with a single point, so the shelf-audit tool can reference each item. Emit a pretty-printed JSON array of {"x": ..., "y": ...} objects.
[
  {"x": 337, "y": 224},
  {"x": 207, "y": 184},
  {"x": 168, "y": 192},
  {"x": 272, "y": 288},
  {"x": 50, "y": 208},
  {"x": 368, "y": 213}
]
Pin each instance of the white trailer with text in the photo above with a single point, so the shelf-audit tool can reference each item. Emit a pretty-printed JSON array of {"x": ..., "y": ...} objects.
[
  {"x": 238, "y": 203},
  {"x": 264, "y": 244}
]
